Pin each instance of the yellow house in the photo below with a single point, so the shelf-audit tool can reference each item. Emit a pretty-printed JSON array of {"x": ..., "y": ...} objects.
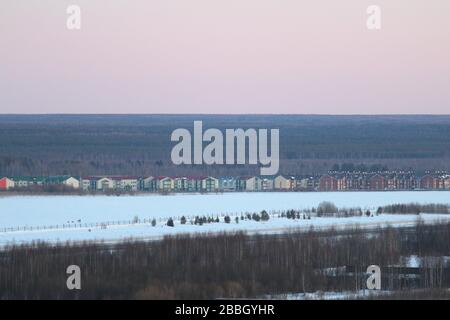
[{"x": 282, "y": 183}]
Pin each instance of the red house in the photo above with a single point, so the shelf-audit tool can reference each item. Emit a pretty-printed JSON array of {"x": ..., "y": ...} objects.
[
  {"x": 429, "y": 182},
  {"x": 376, "y": 182},
  {"x": 328, "y": 183},
  {"x": 6, "y": 183}
]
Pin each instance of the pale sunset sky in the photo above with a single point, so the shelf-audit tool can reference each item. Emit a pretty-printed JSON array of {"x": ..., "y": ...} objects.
[{"x": 225, "y": 56}]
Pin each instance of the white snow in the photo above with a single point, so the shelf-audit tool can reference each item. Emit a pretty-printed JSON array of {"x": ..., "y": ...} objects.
[
  {"x": 51, "y": 211},
  {"x": 145, "y": 231},
  {"x": 331, "y": 295}
]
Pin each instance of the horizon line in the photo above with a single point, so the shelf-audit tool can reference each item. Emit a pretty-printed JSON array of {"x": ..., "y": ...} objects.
[{"x": 225, "y": 114}]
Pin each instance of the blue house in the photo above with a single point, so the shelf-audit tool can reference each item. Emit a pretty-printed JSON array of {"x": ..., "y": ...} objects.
[{"x": 227, "y": 183}]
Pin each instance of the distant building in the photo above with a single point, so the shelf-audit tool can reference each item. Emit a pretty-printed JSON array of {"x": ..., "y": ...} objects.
[
  {"x": 342, "y": 182},
  {"x": 67, "y": 181},
  {"x": 301, "y": 184},
  {"x": 246, "y": 183},
  {"x": 377, "y": 182},
  {"x": 105, "y": 184},
  {"x": 72, "y": 182},
  {"x": 125, "y": 183},
  {"x": 227, "y": 184},
  {"x": 390, "y": 181},
  {"x": 165, "y": 184},
  {"x": 333, "y": 181},
  {"x": 210, "y": 184},
  {"x": 429, "y": 181},
  {"x": 282, "y": 183},
  {"x": 6, "y": 184},
  {"x": 147, "y": 184},
  {"x": 181, "y": 184},
  {"x": 89, "y": 183},
  {"x": 264, "y": 183},
  {"x": 194, "y": 184},
  {"x": 446, "y": 182},
  {"x": 187, "y": 184},
  {"x": 26, "y": 182},
  {"x": 327, "y": 183},
  {"x": 306, "y": 183}
]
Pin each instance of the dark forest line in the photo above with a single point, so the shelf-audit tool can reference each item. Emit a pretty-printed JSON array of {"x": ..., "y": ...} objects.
[
  {"x": 140, "y": 144},
  {"x": 227, "y": 265}
]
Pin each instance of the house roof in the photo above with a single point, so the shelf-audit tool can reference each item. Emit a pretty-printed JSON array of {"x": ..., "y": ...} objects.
[
  {"x": 41, "y": 179},
  {"x": 163, "y": 177},
  {"x": 123, "y": 178},
  {"x": 110, "y": 178},
  {"x": 57, "y": 179},
  {"x": 245, "y": 177}
]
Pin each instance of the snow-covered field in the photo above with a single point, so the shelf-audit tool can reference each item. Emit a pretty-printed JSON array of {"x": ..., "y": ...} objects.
[
  {"x": 61, "y": 218},
  {"x": 52, "y": 210},
  {"x": 146, "y": 231}
]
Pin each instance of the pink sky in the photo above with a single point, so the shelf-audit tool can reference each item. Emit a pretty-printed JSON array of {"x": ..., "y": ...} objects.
[{"x": 225, "y": 56}]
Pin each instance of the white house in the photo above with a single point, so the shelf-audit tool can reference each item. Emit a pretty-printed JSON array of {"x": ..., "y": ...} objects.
[
  {"x": 105, "y": 184},
  {"x": 72, "y": 182},
  {"x": 125, "y": 183}
]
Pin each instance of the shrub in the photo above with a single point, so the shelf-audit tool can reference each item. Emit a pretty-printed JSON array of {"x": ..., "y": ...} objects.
[
  {"x": 326, "y": 208},
  {"x": 264, "y": 216}
]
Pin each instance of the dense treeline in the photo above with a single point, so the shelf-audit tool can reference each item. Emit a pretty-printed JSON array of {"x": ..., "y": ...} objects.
[
  {"x": 227, "y": 265},
  {"x": 140, "y": 145},
  {"x": 415, "y": 208}
]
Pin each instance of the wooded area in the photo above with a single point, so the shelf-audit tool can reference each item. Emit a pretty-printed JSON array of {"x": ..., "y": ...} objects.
[
  {"x": 85, "y": 145},
  {"x": 227, "y": 265}
]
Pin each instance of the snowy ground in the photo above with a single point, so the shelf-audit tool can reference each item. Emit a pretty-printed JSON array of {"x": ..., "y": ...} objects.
[
  {"x": 146, "y": 231},
  {"x": 330, "y": 295},
  {"x": 343, "y": 295},
  {"x": 76, "y": 218},
  {"x": 55, "y": 210}
]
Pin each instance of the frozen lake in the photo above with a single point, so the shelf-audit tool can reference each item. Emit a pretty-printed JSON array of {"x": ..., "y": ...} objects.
[{"x": 55, "y": 210}]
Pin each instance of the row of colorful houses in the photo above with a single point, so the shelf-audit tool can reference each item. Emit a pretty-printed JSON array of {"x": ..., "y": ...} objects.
[
  {"x": 329, "y": 182},
  {"x": 384, "y": 181},
  {"x": 342, "y": 182},
  {"x": 20, "y": 182}
]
